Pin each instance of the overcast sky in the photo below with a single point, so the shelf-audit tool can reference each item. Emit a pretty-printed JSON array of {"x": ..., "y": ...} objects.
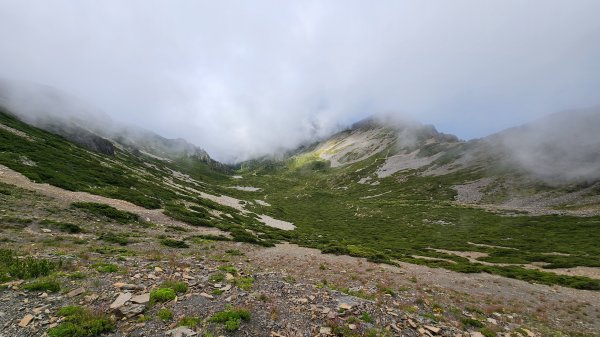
[{"x": 243, "y": 78}]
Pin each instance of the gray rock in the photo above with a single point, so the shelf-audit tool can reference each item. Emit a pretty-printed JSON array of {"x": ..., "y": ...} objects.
[{"x": 181, "y": 331}]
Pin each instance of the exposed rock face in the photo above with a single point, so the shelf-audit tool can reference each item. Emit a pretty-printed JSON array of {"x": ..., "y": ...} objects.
[{"x": 84, "y": 138}]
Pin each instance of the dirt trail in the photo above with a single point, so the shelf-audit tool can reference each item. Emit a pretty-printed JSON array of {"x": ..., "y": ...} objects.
[{"x": 67, "y": 197}]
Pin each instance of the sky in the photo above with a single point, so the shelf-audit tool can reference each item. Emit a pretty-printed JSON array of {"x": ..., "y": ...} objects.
[{"x": 247, "y": 78}]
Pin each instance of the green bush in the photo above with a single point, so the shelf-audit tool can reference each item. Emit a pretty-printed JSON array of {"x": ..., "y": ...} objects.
[
  {"x": 162, "y": 295},
  {"x": 174, "y": 243},
  {"x": 14, "y": 267},
  {"x": 107, "y": 212},
  {"x": 62, "y": 226},
  {"x": 114, "y": 238}
]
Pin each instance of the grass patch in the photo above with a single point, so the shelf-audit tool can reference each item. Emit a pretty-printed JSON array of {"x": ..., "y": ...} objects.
[
  {"x": 231, "y": 319},
  {"x": 162, "y": 295},
  {"x": 229, "y": 269},
  {"x": 117, "y": 238},
  {"x": 43, "y": 284},
  {"x": 81, "y": 322},
  {"x": 177, "y": 286},
  {"x": 172, "y": 243},
  {"x": 104, "y": 267},
  {"x": 165, "y": 314},
  {"x": 244, "y": 283},
  {"x": 189, "y": 321}
]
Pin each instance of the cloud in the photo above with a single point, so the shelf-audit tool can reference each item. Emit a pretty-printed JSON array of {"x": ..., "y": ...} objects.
[{"x": 242, "y": 78}]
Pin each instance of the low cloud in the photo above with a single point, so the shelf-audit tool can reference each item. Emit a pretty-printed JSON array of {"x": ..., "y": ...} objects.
[
  {"x": 560, "y": 148},
  {"x": 242, "y": 79}
]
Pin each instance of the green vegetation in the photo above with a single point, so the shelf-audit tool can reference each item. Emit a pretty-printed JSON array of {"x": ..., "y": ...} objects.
[
  {"x": 43, "y": 284},
  {"x": 177, "y": 286},
  {"x": 105, "y": 267},
  {"x": 189, "y": 321},
  {"x": 165, "y": 314},
  {"x": 114, "y": 238},
  {"x": 62, "y": 226},
  {"x": 399, "y": 218},
  {"x": 162, "y": 295},
  {"x": 231, "y": 319},
  {"x": 63, "y": 164},
  {"x": 174, "y": 243},
  {"x": 367, "y": 317},
  {"x": 81, "y": 322},
  {"x": 229, "y": 269},
  {"x": 107, "y": 211},
  {"x": 392, "y": 221},
  {"x": 15, "y": 267}
]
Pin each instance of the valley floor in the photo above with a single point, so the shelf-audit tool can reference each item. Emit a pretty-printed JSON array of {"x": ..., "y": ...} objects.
[{"x": 286, "y": 290}]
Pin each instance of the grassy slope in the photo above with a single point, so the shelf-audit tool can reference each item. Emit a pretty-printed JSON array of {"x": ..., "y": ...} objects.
[
  {"x": 327, "y": 205},
  {"x": 331, "y": 213},
  {"x": 128, "y": 177}
]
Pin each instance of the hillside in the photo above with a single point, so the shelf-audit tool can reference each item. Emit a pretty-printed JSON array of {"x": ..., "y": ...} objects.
[{"x": 437, "y": 236}]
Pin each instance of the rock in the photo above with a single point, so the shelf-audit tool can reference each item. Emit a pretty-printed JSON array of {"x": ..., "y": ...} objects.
[
  {"x": 352, "y": 326},
  {"x": 76, "y": 292},
  {"x": 91, "y": 298},
  {"x": 207, "y": 295},
  {"x": 127, "y": 286},
  {"x": 345, "y": 306},
  {"x": 181, "y": 331},
  {"x": 412, "y": 323},
  {"x": 121, "y": 300},
  {"x": 158, "y": 270},
  {"x": 229, "y": 277},
  {"x": 37, "y": 311},
  {"x": 476, "y": 334},
  {"x": 226, "y": 288},
  {"x": 25, "y": 320},
  {"x": 46, "y": 230},
  {"x": 491, "y": 320},
  {"x": 432, "y": 329},
  {"x": 131, "y": 310},
  {"x": 529, "y": 333},
  {"x": 325, "y": 330},
  {"x": 141, "y": 299}
]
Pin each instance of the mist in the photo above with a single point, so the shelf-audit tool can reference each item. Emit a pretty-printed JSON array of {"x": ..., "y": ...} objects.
[
  {"x": 561, "y": 148},
  {"x": 243, "y": 79}
]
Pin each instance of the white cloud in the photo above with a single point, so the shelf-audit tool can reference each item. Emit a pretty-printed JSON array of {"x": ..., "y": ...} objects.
[{"x": 245, "y": 78}]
